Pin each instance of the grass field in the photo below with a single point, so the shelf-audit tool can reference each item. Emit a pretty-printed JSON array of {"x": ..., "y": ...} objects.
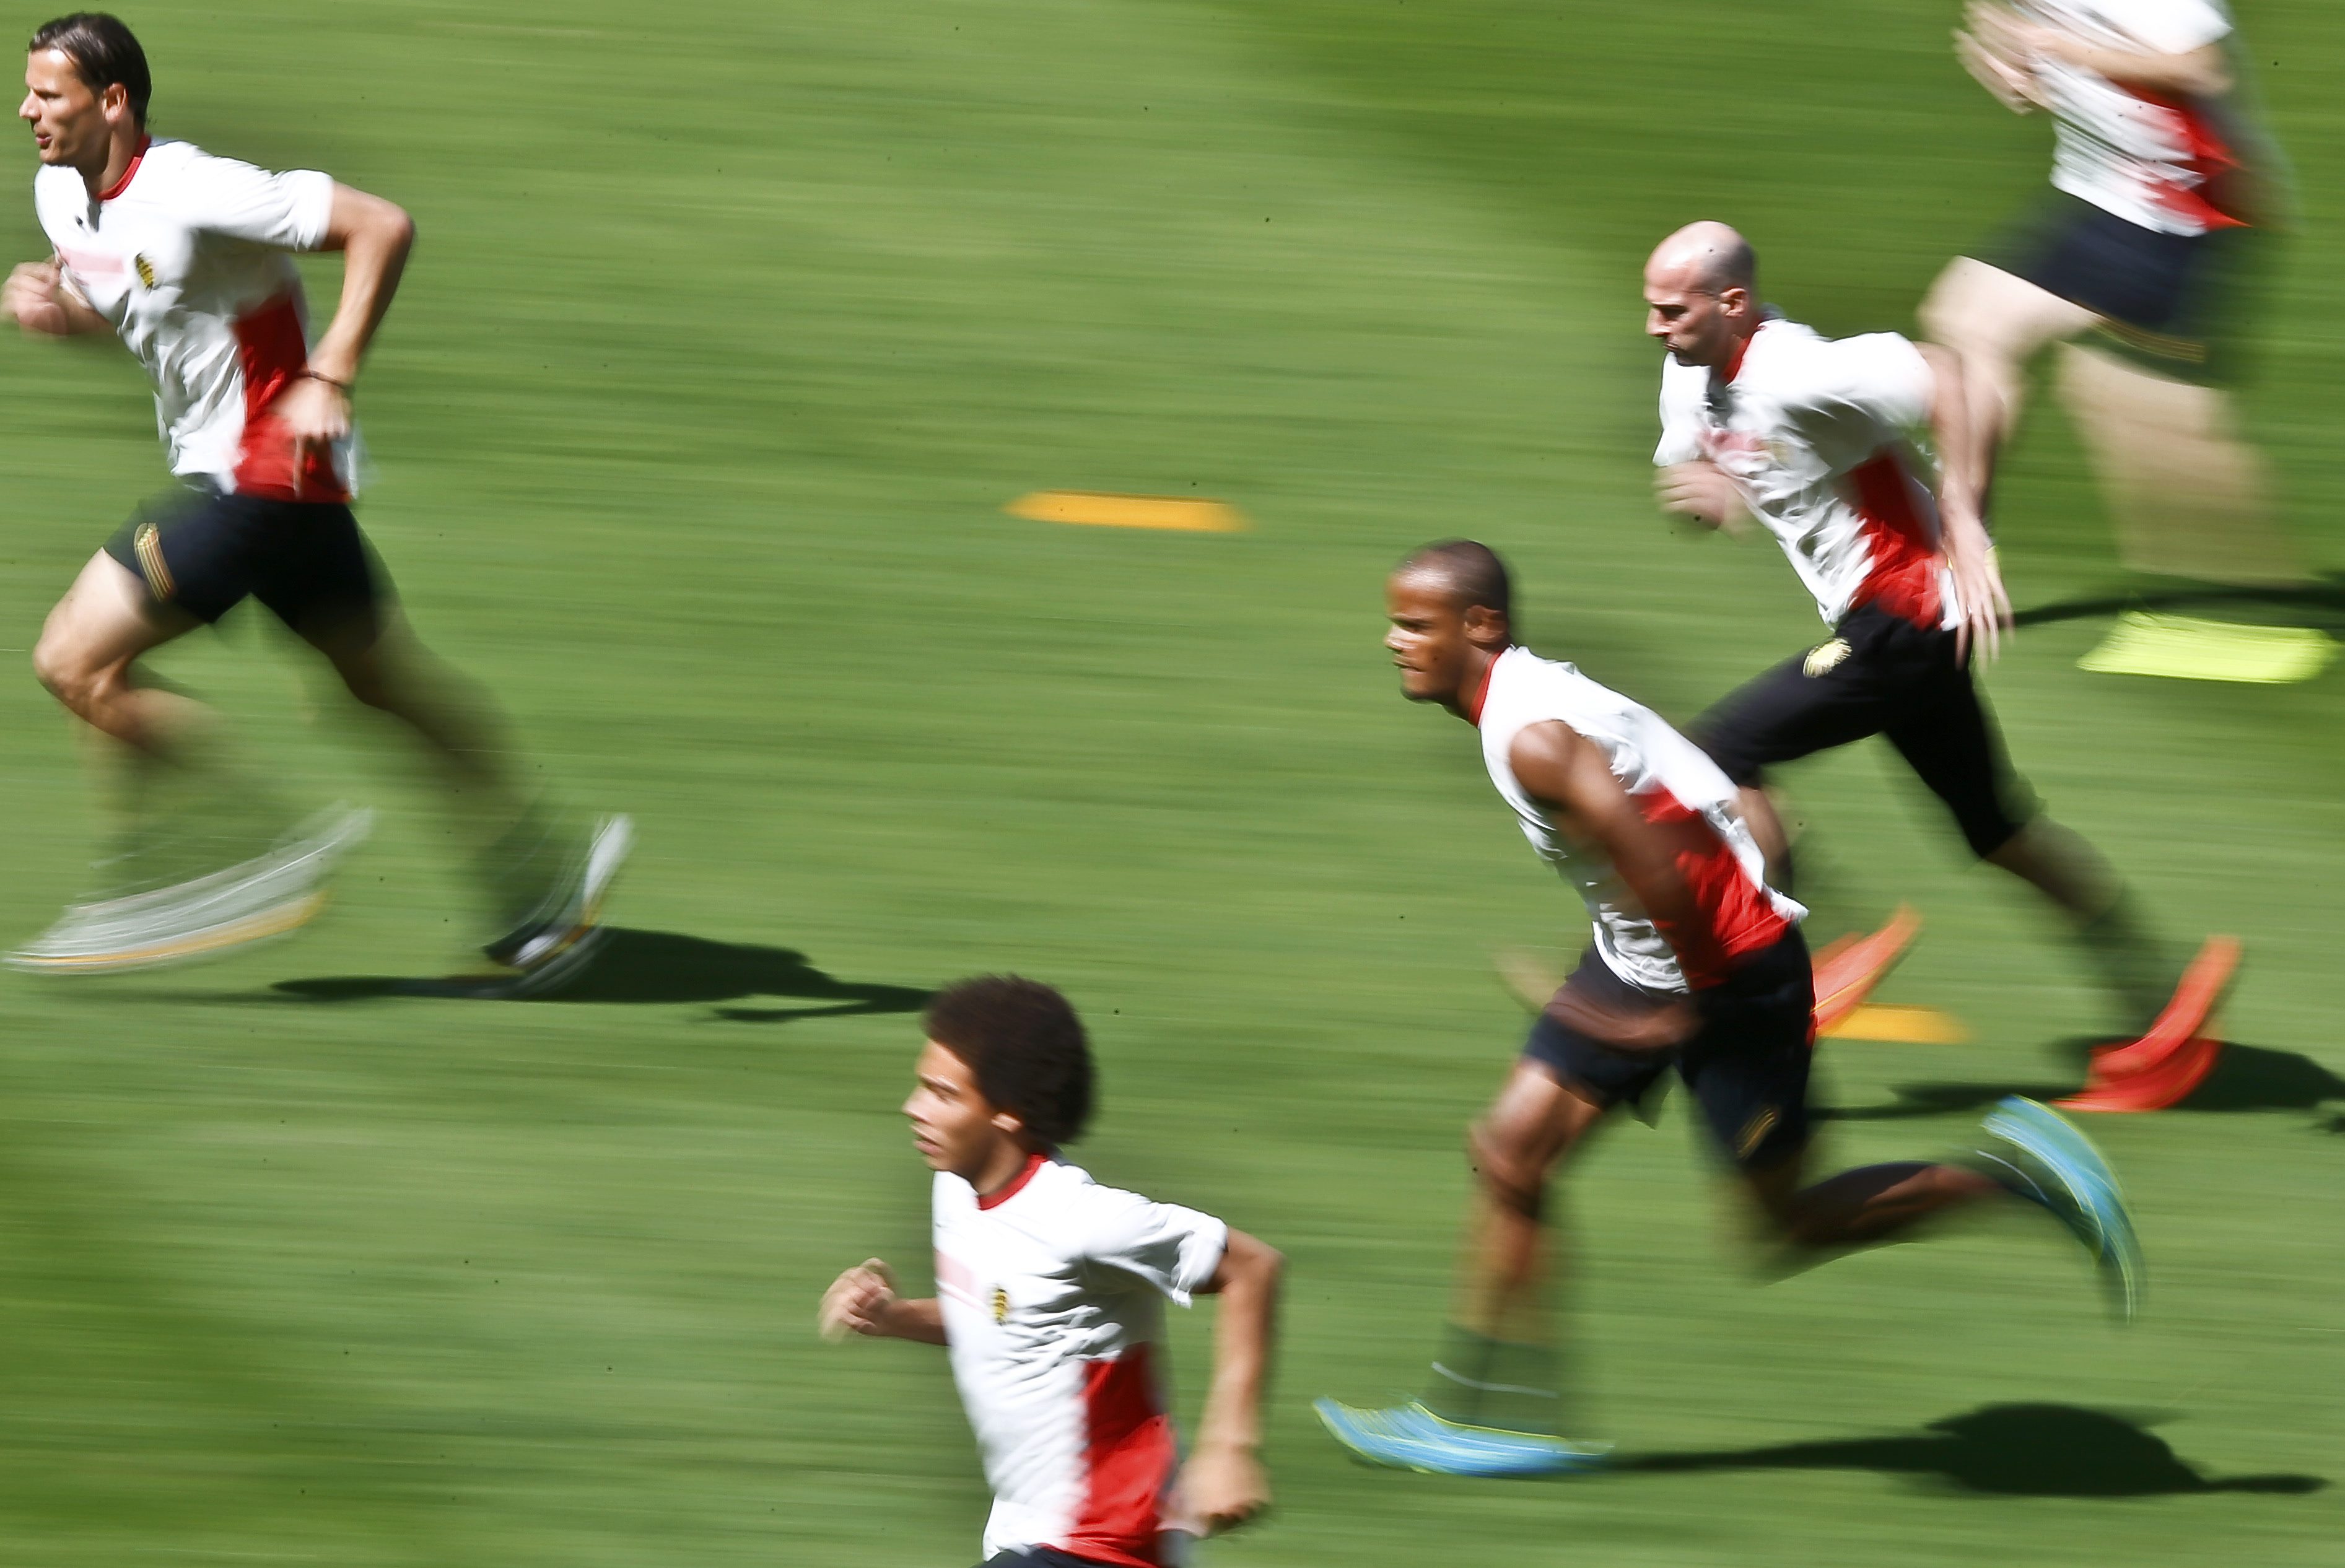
[{"x": 728, "y": 337}]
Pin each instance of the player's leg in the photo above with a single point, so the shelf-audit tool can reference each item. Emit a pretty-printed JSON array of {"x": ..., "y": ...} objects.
[
  {"x": 1995, "y": 322},
  {"x": 89, "y": 645}
]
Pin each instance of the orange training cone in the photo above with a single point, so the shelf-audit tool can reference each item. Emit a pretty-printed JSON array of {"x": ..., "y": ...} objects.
[{"x": 1848, "y": 970}]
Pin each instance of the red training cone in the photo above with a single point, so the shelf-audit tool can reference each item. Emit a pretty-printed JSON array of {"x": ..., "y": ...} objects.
[{"x": 1848, "y": 970}]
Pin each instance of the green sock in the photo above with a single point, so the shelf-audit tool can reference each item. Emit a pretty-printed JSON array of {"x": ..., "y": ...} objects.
[
  {"x": 1481, "y": 1382},
  {"x": 2131, "y": 962}
]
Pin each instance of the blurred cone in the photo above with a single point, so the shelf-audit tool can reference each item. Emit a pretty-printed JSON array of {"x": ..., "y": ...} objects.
[
  {"x": 1848, "y": 970},
  {"x": 2163, "y": 1066}
]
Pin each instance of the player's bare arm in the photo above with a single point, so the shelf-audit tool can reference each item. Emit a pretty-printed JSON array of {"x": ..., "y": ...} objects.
[
  {"x": 1703, "y": 492},
  {"x": 1224, "y": 1483},
  {"x": 374, "y": 236},
  {"x": 2008, "y": 78},
  {"x": 41, "y": 299},
  {"x": 863, "y": 1300},
  {"x": 2004, "y": 33},
  {"x": 1571, "y": 781},
  {"x": 1963, "y": 456}
]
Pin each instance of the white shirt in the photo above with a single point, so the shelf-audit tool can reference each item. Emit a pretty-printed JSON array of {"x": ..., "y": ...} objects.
[
  {"x": 1673, "y": 783},
  {"x": 186, "y": 257},
  {"x": 1052, "y": 1294},
  {"x": 2149, "y": 157},
  {"x": 1817, "y": 434}
]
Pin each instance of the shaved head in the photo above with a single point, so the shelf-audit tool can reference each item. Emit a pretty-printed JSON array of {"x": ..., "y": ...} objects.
[
  {"x": 1469, "y": 575},
  {"x": 1709, "y": 255}
]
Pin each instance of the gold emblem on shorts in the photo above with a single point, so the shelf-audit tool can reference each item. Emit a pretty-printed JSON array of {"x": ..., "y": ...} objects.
[
  {"x": 148, "y": 545},
  {"x": 1755, "y": 1131},
  {"x": 146, "y": 271},
  {"x": 1001, "y": 1305},
  {"x": 1826, "y": 658}
]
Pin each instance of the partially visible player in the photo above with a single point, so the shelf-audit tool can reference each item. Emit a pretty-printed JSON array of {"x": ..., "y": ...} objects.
[
  {"x": 183, "y": 255},
  {"x": 1698, "y": 968},
  {"x": 1050, "y": 1292},
  {"x": 2163, "y": 200},
  {"x": 1816, "y": 438}
]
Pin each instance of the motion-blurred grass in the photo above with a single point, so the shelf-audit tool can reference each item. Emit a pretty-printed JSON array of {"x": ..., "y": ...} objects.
[{"x": 729, "y": 334}]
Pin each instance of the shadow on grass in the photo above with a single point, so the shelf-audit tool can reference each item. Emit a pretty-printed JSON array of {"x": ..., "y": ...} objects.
[
  {"x": 654, "y": 966},
  {"x": 2327, "y": 597},
  {"x": 2248, "y": 1077},
  {"x": 2009, "y": 1450}
]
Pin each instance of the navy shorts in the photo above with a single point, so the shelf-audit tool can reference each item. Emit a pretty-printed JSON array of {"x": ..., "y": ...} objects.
[
  {"x": 1881, "y": 675},
  {"x": 1038, "y": 1557},
  {"x": 2170, "y": 302},
  {"x": 204, "y": 552},
  {"x": 1746, "y": 1065}
]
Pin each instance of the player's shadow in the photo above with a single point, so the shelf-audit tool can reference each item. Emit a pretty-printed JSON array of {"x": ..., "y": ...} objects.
[
  {"x": 2248, "y": 1077},
  {"x": 654, "y": 966},
  {"x": 2326, "y": 599},
  {"x": 2009, "y": 1450}
]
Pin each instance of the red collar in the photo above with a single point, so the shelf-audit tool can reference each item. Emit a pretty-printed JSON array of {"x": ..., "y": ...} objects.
[
  {"x": 1734, "y": 367},
  {"x": 120, "y": 186},
  {"x": 1482, "y": 692},
  {"x": 1034, "y": 1162}
]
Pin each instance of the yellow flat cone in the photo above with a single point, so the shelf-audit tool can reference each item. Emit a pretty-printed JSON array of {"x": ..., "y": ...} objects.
[
  {"x": 1900, "y": 1026},
  {"x": 1105, "y": 509},
  {"x": 2181, "y": 648}
]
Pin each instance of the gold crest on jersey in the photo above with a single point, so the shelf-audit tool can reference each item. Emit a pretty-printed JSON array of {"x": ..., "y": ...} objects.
[
  {"x": 1001, "y": 1305},
  {"x": 1824, "y": 659},
  {"x": 145, "y": 269}
]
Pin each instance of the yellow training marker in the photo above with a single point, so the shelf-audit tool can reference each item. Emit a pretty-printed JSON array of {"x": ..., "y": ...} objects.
[
  {"x": 1105, "y": 509},
  {"x": 1902, "y": 1026},
  {"x": 2181, "y": 648}
]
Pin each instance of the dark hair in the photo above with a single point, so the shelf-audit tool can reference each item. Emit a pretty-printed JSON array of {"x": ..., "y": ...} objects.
[
  {"x": 104, "y": 53},
  {"x": 1471, "y": 571},
  {"x": 1025, "y": 1047},
  {"x": 1732, "y": 266}
]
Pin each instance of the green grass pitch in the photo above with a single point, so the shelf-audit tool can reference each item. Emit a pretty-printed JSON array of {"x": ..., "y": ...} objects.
[{"x": 730, "y": 331}]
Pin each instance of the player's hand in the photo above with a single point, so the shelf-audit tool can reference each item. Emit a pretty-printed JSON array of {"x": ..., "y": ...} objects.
[
  {"x": 859, "y": 1301},
  {"x": 2011, "y": 81},
  {"x": 2009, "y": 37},
  {"x": 1221, "y": 1488},
  {"x": 1986, "y": 608},
  {"x": 1703, "y": 491},
  {"x": 35, "y": 295},
  {"x": 1640, "y": 1029},
  {"x": 315, "y": 413}
]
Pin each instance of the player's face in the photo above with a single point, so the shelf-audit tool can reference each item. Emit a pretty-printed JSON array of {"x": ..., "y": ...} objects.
[
  {"x": 1426, "y": 638},
  {"x": 954, "y": 1127},
  {"x": 1692, "y": 323},
  {"x": 67, "y": 119}
]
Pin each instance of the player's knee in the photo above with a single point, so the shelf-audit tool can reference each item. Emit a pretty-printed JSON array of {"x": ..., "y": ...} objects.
[
  {"x": 68, "y": 672},
  {"x": 1509, "y": 1169}
]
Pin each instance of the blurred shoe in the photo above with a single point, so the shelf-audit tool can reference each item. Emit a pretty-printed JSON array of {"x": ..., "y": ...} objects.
[
  {"x": 1411, "y": 1437},
  {"x": 269, "y": 895},
  {"x": 549, "y": 953},
  {"x": 2048, "y": 1161},
  {"x": 2177, "y": 1052},
  {"x": 1847, "y": 971}
]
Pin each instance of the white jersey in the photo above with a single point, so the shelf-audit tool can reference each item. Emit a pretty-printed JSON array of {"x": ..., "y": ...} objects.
[
  {"x": 1673, "y": 783},
  {"x": 186, "y": 257},
  {"x": 2152, "y": 159},
  {"x": 1053, "y": 1292},
  {"x": 1817, "y": 434}
]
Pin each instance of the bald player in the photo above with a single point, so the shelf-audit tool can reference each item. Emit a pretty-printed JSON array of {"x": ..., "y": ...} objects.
[
  {"x": 1696, "y": 967},
  {"x": 1816, "y": 439}
]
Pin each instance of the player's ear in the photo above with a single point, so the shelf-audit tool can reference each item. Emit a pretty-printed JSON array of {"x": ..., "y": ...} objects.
[
  {"x": 1010, "y": 1122},
  {"x": 1485, "y": 627},
  {"x": 1735, "y": 300}
]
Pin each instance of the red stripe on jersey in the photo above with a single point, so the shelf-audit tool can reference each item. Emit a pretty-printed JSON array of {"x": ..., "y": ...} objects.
[
  {"x": 1739, "y": 918},
  {"x": 2208, "y": 156},
  {"x": 1128, "y": 1463},
  {"x": 269, "y": 341},
  {"x": 1482, "y": 692},
  {"x": 1034, "y": 1162},
  {"x": 129, "y": 171},
  {"x": 1902, "y": 578}
]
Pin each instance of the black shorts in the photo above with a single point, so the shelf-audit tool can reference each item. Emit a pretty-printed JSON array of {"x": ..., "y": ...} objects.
[
  {"x": 1881, "y": 675},
  {"x": 2170, "y": 302},
  {"x": 1038, "y": 1557},
  {"x": 202, "y": 553},
  {"x": 1746, "y": 1066}
]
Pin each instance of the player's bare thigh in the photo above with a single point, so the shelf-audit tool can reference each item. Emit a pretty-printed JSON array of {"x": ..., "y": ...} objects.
[
  {"x": 1534, "y": 1122},
  {"x": 106, "y": 620},
  {"x": 1980, "y": 308}
]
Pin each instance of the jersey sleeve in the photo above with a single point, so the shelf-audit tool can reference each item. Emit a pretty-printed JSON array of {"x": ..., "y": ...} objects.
[
  {"x": 288, "y": 210},
  {"x": 1173, "y": 1250},
  {"x": 2173, "y": 26}
]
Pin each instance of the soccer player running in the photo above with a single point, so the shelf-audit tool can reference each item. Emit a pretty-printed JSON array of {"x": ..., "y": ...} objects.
[
  {"x": 1051, "y": 1291},
  {"x": 1762, "y": 417},
  {"x": 2165, "y": 195},
  {"x": 184, "y": 256},
  {"x": 1697, "y": 968}
]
